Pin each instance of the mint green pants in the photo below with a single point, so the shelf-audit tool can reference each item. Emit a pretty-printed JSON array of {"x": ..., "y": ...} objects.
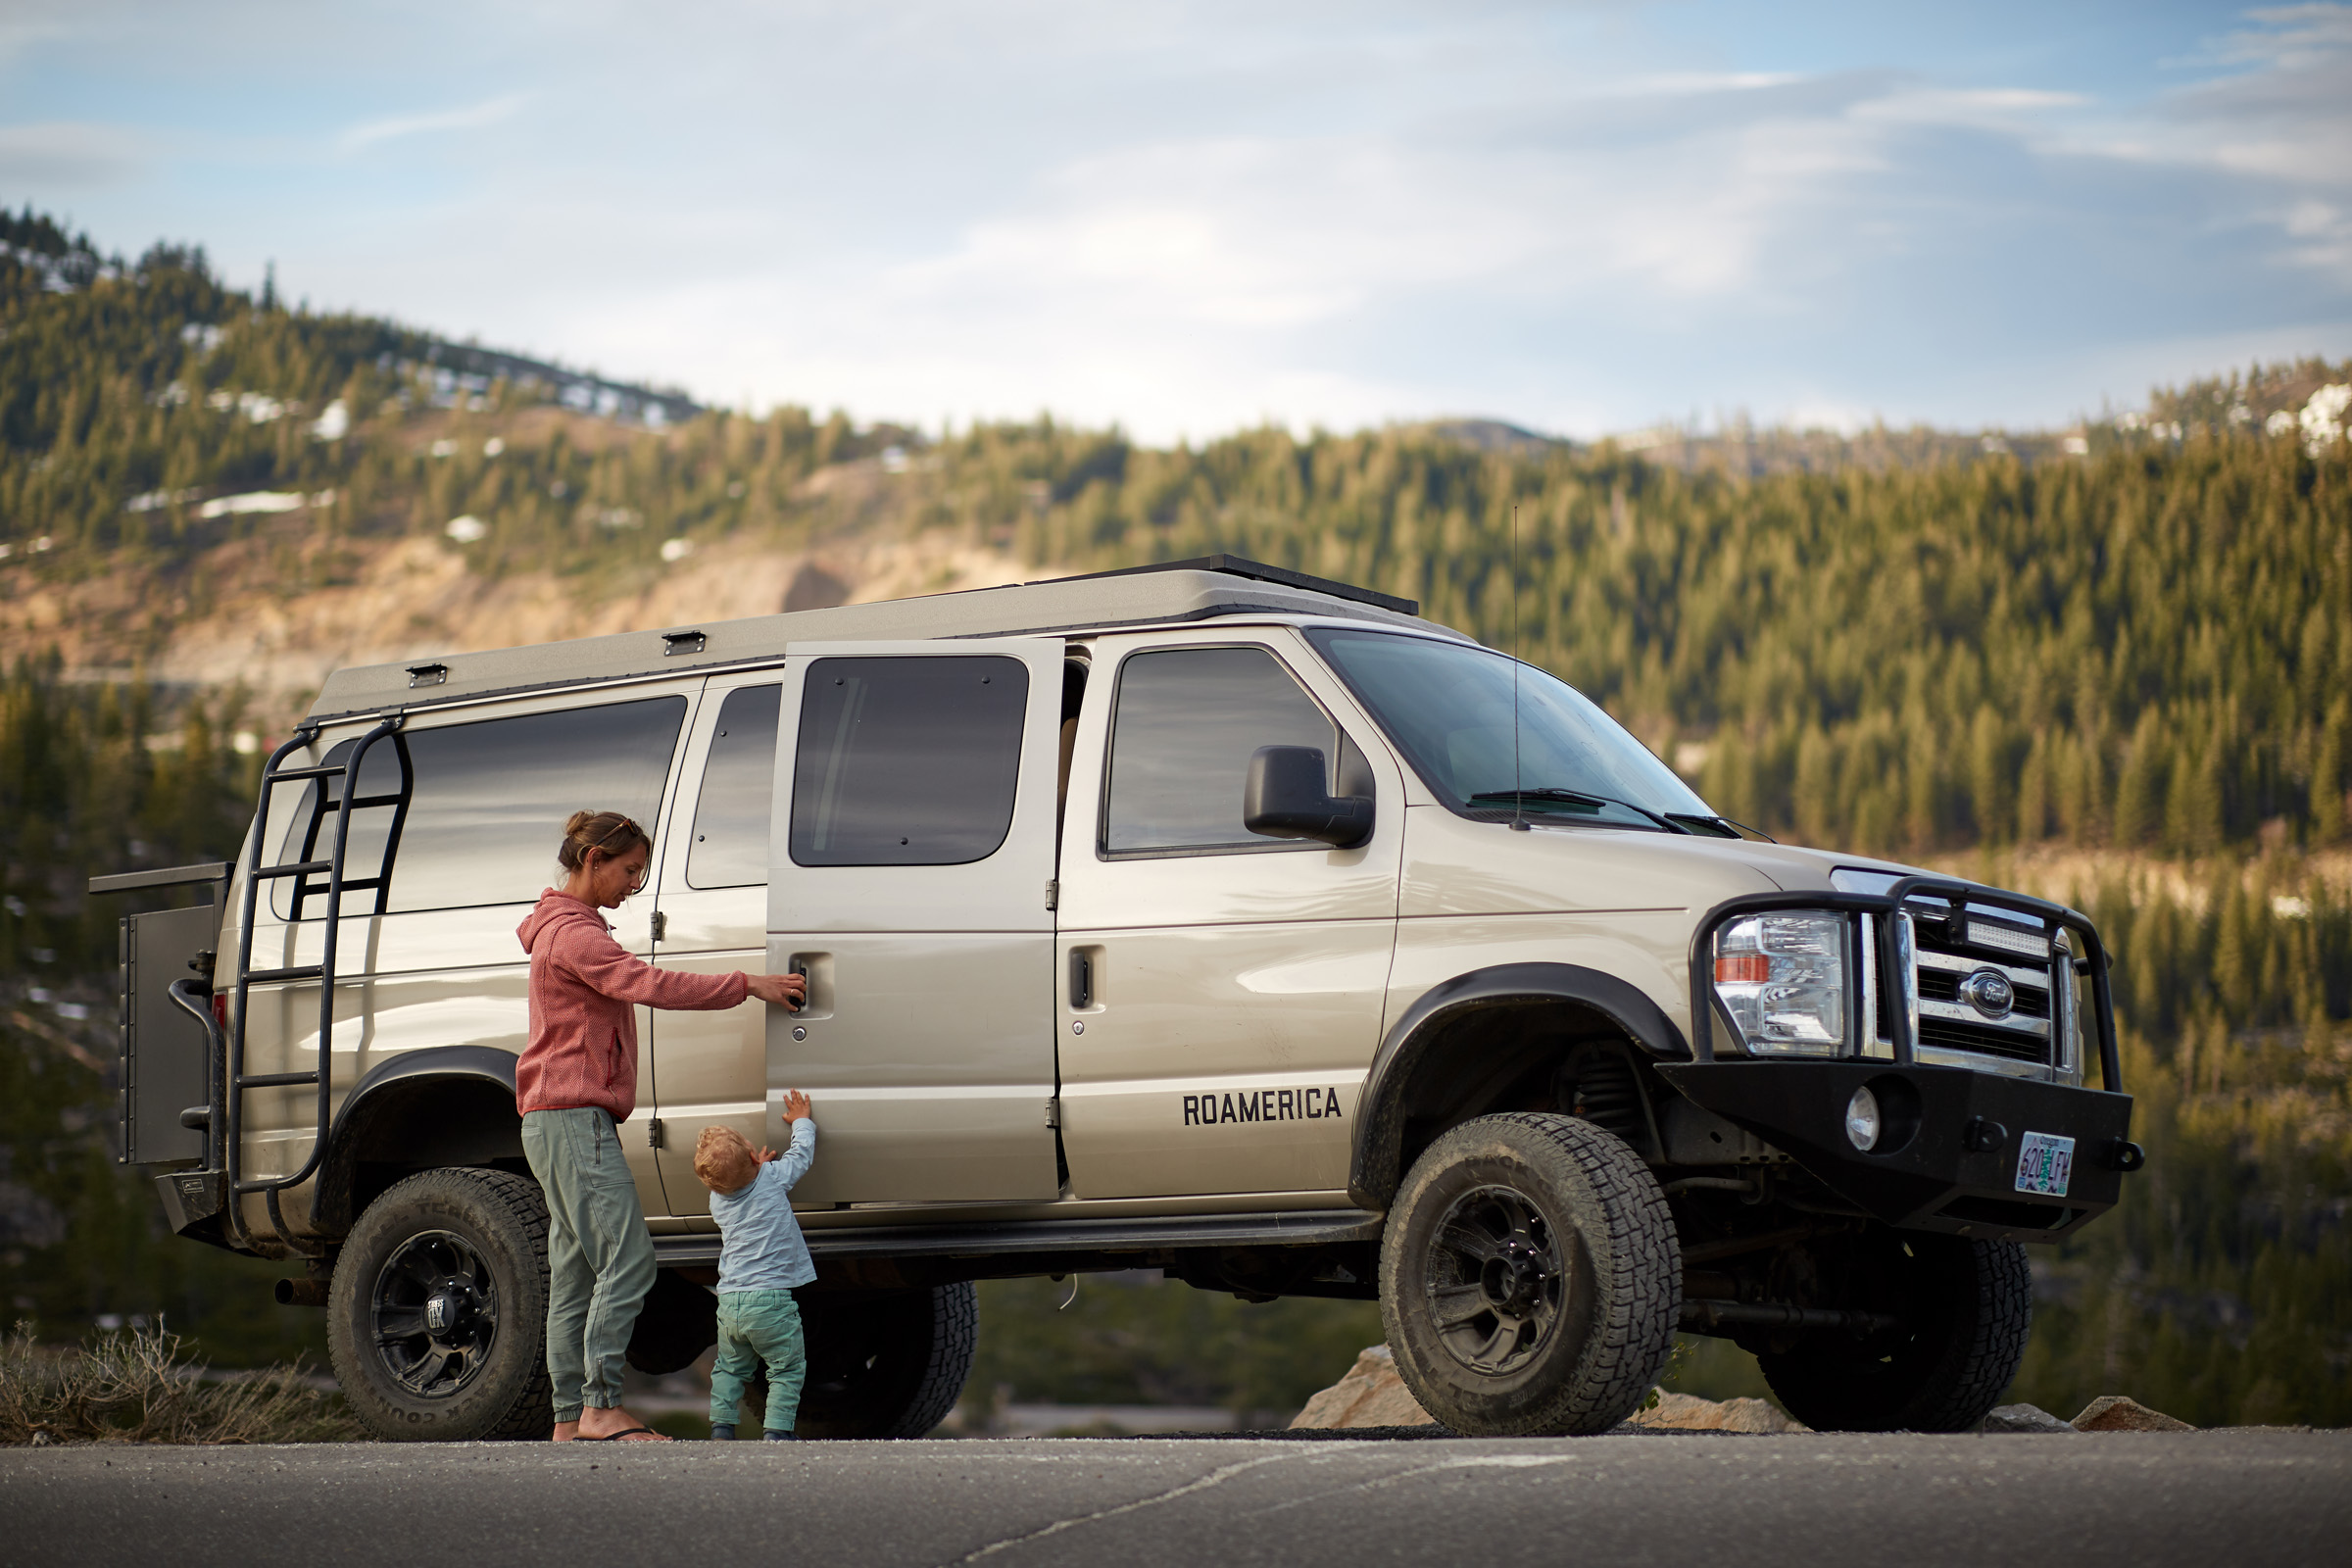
[
  {"x": 600, "y": 1257},
  {"x": 758, "y": 1328}
]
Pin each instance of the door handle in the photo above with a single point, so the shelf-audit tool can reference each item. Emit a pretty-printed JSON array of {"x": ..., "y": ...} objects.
[{"x": 1082, "y": 980}]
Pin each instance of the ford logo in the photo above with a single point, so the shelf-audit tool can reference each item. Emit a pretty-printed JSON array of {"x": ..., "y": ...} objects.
[{"x": 1990, "y": 991}]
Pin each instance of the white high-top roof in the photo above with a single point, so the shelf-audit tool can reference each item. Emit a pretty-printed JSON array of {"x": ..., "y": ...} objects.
[{"x": 1181, "y": 590}]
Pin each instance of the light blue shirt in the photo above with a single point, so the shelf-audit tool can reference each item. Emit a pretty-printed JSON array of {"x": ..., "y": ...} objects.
[{"x": 759, "y": 1242}]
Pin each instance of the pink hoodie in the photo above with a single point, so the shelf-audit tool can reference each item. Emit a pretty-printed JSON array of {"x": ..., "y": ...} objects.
[{"x": 584, "y": 987}]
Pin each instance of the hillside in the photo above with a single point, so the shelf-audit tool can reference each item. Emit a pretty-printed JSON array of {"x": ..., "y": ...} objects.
[{"x": 2112, "y": 663}]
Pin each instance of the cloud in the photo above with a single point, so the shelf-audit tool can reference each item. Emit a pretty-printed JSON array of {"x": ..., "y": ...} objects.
[
  {"x": 69, "y": 154},
  {"x": 369, "y": 134}
]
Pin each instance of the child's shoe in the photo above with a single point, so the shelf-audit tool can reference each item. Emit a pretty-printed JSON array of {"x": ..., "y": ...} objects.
[
  {"x": 774, "y": 1436},
  {"x": 722, "y": 1432}
]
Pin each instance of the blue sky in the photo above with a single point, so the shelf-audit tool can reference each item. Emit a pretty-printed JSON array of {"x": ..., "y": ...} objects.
[{"x": 1188, "y": 217}]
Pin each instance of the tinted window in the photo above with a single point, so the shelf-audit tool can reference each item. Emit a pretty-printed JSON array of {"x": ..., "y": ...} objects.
[
  {"x": 906, "y": 762},
  {"x": 1477, "y": 742},
  {"x": 489, "y": 803},
  {"x": 1181, "y": 740},
  {"x": 738, "y": 794}
]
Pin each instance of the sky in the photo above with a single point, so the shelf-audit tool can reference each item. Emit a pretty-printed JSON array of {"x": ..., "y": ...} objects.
[{"x": 1186, "y": 217}]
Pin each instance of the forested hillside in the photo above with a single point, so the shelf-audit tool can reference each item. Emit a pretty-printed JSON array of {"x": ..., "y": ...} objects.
[{"x": 2114, "y": 662}]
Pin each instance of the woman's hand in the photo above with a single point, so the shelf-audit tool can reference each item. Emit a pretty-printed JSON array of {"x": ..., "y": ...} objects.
[{"x": 788, "y": 991}]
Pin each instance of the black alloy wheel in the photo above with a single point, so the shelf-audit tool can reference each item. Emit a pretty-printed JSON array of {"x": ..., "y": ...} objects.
[
  {"x": 436, "y": 1313},
  {"x": 1495, "y": 1279}
]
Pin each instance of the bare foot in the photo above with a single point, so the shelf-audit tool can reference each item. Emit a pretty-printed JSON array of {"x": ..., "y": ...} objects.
[
  {"x": 566, "y": 1431},
  {"x": 598, "y": 1423}
]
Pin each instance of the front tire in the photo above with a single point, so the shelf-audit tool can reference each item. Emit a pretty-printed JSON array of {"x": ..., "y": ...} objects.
[
  {"x": 438, "y": 1316},
  {"x": 1964, "y": 1309},
  {"x": 886, "y": 1365},
  {"x": 1530, "y": 1277}
]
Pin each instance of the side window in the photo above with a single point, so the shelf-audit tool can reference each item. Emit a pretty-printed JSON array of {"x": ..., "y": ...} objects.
[
  {"x": 906, "y": 762},
  {"x": 1182, "y": 735},
  {"x": 738, "y": 794},
  {"x": 487, "y": 809}
]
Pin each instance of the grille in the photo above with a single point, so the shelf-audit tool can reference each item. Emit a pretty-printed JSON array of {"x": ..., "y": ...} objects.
[{"x": 1948, "y": 952}]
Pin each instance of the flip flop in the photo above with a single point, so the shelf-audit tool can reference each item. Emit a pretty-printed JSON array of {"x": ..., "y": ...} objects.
[{"x": 629, "y": 1432}]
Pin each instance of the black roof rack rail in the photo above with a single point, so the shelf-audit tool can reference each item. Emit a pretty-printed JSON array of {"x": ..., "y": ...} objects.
[{"x": 1259, "y": 571}]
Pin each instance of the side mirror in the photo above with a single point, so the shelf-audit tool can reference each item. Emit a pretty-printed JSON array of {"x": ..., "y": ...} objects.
[{"x": 1284, "y": 798}]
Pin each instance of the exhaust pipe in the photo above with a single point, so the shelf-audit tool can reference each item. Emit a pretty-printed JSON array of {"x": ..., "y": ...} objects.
[{"x": 302, "y": 1293}]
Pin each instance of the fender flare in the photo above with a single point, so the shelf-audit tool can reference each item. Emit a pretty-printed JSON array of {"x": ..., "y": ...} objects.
[
  {"x": 479, "y": 1064},
  {"x": 1375, "y": 1166}
]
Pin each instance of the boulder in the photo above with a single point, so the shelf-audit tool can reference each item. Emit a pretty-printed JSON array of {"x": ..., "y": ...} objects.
[
  {"x": 2026, "y": 1418},
  {"x": 2115, "y": 1412},
  {"x": 1371, "y": 1395},
  {"x": 1688, "y": 1412}
]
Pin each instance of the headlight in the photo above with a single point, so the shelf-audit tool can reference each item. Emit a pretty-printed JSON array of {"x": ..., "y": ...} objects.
[{"x": 1782, "y": 977}]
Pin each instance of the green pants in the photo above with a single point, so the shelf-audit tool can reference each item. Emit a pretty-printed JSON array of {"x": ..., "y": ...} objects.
[
  {"x": 758, "y": 1327},
  {"x": 600, "y": 1257}
]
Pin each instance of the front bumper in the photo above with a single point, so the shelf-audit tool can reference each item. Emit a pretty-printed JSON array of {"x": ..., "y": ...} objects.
[{"x": 1948, "y": 1159}]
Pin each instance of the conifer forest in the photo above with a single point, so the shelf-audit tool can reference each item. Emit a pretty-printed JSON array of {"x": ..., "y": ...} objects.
[{"x": 2111, "y": 665}]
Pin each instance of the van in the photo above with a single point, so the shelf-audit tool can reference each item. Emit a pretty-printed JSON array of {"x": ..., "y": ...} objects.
[{"x": 1207, "y": 917}]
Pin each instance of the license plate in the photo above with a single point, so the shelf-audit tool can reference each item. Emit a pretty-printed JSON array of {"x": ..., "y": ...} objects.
[{"x": 2044, "y": 1164}]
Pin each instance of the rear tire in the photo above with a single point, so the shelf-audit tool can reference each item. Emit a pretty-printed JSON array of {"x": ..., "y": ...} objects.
[
  {"x": 1966, "y": 1309},
  {"x": 437, "y": 1315},
  {"x": 886, "y": 1365},
  {"x": 677, "y": 1323},
  {"x": 1529, "y": 1277}
]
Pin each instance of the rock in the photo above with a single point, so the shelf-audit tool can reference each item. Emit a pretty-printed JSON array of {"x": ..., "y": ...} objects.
[
  {"x": 1371, "y": 1395},
  {"x": 2115, "y": 1412},
  {"x": 2026, "y": 1418},
  {"x": 1688, "y": 1412}
]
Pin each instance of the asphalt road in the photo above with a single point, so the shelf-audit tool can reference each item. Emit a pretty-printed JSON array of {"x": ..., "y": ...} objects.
[{"x": 2207, "y": 1498}]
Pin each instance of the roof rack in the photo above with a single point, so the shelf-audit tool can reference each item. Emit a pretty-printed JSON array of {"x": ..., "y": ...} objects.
[{"x": 1259, "y": 571}]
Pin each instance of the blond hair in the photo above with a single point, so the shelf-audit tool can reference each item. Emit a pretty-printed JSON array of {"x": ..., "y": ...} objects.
[{"x": 723, "y": 1160}]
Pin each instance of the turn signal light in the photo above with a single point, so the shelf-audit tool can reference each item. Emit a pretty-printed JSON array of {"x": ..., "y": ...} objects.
[{"x": 1742, "y": 969}]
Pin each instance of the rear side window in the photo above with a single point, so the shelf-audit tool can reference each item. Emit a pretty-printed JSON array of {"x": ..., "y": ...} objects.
[
  {"x": 1187, "y": 723},
  {"x": 487, "y": 809},
  {"x": 738, "y": 794},
  {"x": 906, "y": 762}
]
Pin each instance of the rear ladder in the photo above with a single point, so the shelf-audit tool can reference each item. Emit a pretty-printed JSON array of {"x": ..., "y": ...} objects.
[{"x": 326, "y": 798}]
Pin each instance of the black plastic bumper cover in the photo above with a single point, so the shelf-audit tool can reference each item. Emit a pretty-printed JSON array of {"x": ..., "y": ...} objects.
[{"x": 1949, "y": 1157}]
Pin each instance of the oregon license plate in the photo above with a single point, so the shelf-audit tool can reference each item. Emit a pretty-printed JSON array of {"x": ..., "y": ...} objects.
[{"x": 2044, "y": 1164}]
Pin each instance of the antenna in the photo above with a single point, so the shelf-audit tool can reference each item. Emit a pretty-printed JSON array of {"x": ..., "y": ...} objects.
[{"x": 1518, "y": 781}]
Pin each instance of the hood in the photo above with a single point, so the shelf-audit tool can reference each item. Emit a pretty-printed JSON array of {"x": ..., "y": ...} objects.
[
  {"x": 555, "y": 908},
  {"x": 1798, "y": 870}
]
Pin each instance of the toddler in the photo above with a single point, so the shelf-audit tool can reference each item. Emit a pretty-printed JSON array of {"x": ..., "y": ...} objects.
[{"x": 760, "y": 1258}]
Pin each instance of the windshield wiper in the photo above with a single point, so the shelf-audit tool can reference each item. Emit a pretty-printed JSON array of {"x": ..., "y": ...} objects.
[
  {"x": 1579, "y": 797},
  {"x": 1724, "y": 822}
]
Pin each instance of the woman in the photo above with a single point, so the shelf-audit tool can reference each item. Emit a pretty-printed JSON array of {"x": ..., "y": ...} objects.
[{"x": 574, "y": 1083}]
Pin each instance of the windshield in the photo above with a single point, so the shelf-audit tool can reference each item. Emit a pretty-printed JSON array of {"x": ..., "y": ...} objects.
[{"x": 1448, "y": 706}]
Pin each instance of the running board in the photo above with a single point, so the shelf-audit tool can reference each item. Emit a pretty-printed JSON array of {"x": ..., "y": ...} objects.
[{"x": 1319, "y": 1227}]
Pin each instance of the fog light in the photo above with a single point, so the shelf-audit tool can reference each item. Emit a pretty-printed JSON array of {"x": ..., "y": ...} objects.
[{"x": 1862, "y": 1119}]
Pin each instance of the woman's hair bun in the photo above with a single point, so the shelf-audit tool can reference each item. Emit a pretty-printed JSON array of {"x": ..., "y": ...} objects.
[{"x": 606, "y": 831}]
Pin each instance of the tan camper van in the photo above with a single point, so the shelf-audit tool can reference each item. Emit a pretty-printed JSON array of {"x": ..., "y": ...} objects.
[{"x": 1207, "y": 917}]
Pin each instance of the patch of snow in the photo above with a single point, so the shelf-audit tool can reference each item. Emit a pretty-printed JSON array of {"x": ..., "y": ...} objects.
[
  {"x": 467, "y": 529},
  {"x": 894, "y": 460},
  {"x": 674, "y": 550},
  {"x": 253, "y": 501},
  {"x": 2075, "y": 446},
  {"x": 332, "y": 424},
  {"x": 445, "y": 448},
  {"x": 2322, "y": 418},
  {"x": 493, "y": 446}
]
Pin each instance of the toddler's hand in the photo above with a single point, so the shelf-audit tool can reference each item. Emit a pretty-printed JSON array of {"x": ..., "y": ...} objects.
[{"x": 796, "y": 1105}]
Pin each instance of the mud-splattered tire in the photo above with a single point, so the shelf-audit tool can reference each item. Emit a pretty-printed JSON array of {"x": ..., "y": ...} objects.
[
  {"x": 886, "y": 1365},
  {"x": 437, "y": 1314},
  {"x": 1965, "y": 1310},
  {"x": 1529, "y": 1277}
]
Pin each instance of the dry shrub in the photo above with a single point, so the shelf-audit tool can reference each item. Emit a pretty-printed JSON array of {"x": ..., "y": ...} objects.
[{"x": 136, "y": 1387}]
